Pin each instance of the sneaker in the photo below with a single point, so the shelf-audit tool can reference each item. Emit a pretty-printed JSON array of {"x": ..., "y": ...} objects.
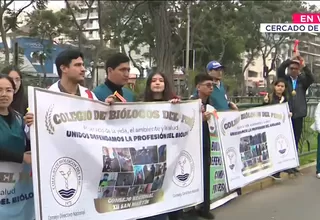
[
  {"x": 276, "y": 176},
  {"x": 296, "y": 171},
  {"x": 318, "y": 175},
  {"x": 289, "y": 171},
  {"x": 205, "y": 215}
]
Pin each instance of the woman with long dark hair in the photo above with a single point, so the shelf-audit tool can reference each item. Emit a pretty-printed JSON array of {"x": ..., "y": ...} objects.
[
  {"x": 20, "y": 101},
  {"x": 279, "y": 95},
  {"x": 158, "y": 89},
  {"x": 14, "y": 159}
]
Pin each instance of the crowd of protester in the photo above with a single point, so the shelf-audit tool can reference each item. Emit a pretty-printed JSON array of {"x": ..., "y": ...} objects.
[{"x": 209, "y": 88}]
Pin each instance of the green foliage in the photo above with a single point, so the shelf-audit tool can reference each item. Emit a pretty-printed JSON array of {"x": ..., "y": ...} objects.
[
  {"x": 46, "y": 24},
  {"x": 253, "y": 13}
]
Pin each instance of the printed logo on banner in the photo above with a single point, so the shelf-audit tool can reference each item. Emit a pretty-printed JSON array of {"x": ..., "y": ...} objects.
[
  {"x": 231, "y": 158},
  {"x": 66, "y": 181},
  {"x": 212, "y": 129},
  {"x": 48, "y": 122},
  {"x": 282, "y": 145},
  {"x": 184, "y": 171}
]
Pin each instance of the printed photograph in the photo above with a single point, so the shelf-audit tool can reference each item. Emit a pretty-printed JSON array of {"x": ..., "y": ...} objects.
[
  {"x": 124, "y": 158},
  {"x": 144, "y": 155},
  {"x": 160, "y": 169},
  {"x": 145, "y": 189},
  {"x": 138, "y": 175},
  {"x": 125, "y": 179},
  {"x": 120, "y": 191},
  {"x": 108, "y": 179},
  {"x": 162, "y": 152},
  {"x": 110, "y": 160},
  {"x": 157, "y": 183},
  {"x": 107, "y": 192},
  {"x": 133, "y": 191},
  {"x": 254, "y": 153},
  {"x": 149, "y": 173}
]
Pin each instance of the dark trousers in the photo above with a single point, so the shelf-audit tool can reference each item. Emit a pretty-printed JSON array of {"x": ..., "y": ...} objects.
[
  {"x": 206, "y": 172},
  {"x": 297, "y": 124},
  {"x": 318, "y": 155}
]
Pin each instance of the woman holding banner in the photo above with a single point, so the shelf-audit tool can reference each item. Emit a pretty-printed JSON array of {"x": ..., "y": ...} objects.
[
  {"x": 279, "y": 95},
  {"x": 158, "y": 89},
  {"x": 16, "y": 192}
]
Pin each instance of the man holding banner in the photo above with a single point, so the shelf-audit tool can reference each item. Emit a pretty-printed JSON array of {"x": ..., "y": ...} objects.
[
  {"x": 204, "y": 85},
  {"x": 118, "y": 69},
  {"x": 299, "y": 78},
  {"x": 71, "y": 71}
]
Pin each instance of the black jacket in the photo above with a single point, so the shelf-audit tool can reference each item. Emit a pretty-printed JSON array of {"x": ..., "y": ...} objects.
[{"x": 297, "y": 103}]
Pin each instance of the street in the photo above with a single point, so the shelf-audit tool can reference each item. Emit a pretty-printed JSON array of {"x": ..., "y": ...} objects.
[{"x": 293, "y": 199}]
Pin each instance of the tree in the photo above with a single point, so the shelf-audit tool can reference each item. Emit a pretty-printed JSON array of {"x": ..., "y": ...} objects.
[
  {"x": 163, "y": 32},
  {"x": 116, "y": 19},
  {"x": 8, "y": 20},
  {"x": 266, "y": 44},
  {"x": 45, "y": 25},
  {"x": 76, "y": 30}
]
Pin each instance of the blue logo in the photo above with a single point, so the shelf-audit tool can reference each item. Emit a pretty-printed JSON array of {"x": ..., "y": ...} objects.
[
  {"x": 282, "y": 145},
  {"x": 66, "y": 181},
  {"x": 184, "y": 171}
]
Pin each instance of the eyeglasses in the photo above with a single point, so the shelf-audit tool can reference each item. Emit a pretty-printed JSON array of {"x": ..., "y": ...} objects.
[
  {"x": 208, "y": 85},
  {"x": 6, "y": 91}
]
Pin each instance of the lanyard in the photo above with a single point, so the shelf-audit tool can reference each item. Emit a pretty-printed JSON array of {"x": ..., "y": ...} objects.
[{"x": 294, "y": 84}]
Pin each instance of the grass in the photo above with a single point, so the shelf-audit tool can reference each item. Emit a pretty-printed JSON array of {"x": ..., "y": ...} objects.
[{"x": 308, "y": 136}]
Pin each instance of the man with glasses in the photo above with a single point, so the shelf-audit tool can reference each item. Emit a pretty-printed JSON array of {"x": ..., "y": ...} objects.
[
  {"x": 219, "y": 96},
  {"x": 204, "y": 87},
  {"x": 299, "y": 78},
  {"x": 118, "y": 69}
]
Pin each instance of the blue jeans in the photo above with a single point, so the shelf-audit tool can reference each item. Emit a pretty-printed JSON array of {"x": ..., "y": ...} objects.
[{"x": 156, "y": 217}]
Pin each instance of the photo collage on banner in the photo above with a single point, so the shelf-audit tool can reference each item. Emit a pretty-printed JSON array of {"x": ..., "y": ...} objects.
[
  {"x": 129, "y": 172},
  {"x": 256, "y": 143}
]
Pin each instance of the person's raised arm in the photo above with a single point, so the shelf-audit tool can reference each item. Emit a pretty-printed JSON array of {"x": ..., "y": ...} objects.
[
  {"x": 281, "y": 71},
  {"x": 307, "y": 76}
]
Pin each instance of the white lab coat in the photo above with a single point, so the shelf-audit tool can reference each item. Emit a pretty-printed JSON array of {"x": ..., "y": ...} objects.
[
  {"x": 316, "y": 125},
  {"x": 54, "y": 87}
]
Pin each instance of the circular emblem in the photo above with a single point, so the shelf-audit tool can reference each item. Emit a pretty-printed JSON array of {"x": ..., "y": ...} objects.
[
  {"x": 212, "y": 129},
  {"x": 66, "y": 181},
  {"x": 184, "y": 171},
  {"x": 231, "y": 158},
  {"x": 282, "y": 145}
]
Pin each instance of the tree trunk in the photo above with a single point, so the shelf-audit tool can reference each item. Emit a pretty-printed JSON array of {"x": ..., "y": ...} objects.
[
  {"x": 163, "y": 50},
  {"x": 4, "y": 40}
]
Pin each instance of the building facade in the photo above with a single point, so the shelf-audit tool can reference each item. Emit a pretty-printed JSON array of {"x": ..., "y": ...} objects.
[
  {"x": 309, "y": 49},
  {"x": 90, "y": 26}
]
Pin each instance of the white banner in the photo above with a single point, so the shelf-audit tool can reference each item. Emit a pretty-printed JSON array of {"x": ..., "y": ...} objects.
[
  {"x": 125, "y": 161},
  {"x": 256, "y": 143},
  {"x": 218, "y": 190}
]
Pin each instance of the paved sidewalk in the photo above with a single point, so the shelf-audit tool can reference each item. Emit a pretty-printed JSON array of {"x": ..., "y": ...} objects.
[{"x": 294, "y": 199}]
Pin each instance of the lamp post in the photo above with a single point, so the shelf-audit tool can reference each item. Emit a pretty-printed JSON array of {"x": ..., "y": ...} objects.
[{"x": 188, "y": 48}]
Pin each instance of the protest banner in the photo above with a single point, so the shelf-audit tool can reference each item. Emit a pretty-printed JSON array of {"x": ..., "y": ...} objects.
[
  {"x": 256, "y": 143},
  {"x": 124, "y": 161},
  {"x": 218, "y": 189}
]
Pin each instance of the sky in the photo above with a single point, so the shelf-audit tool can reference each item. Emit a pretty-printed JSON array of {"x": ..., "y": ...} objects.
[{"x": 53, "y": 5}]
